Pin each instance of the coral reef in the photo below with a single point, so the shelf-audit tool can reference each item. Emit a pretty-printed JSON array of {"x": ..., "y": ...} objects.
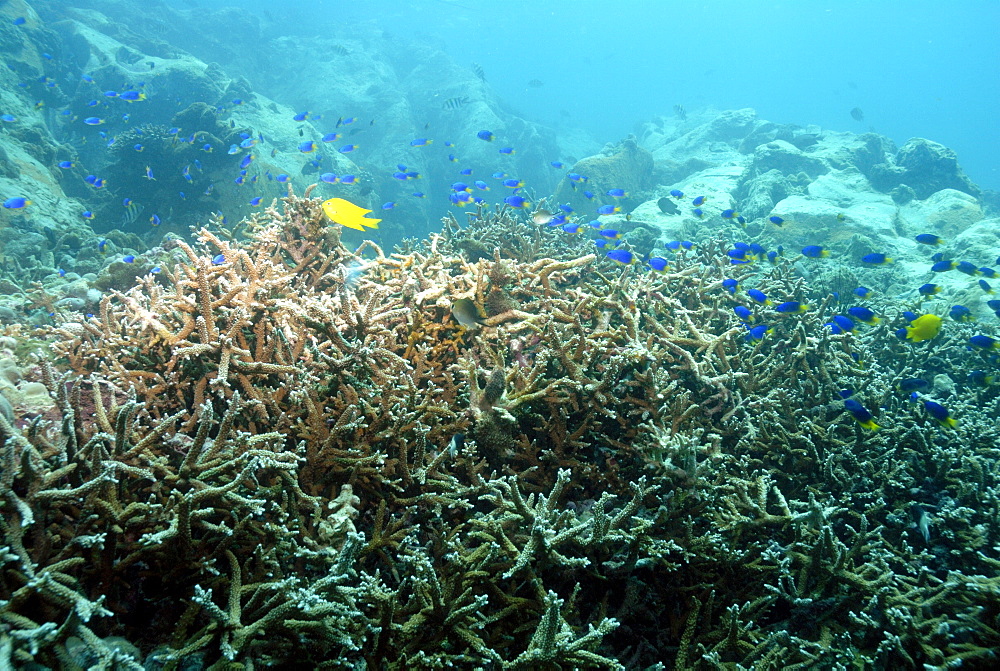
[{"x": 280, "y": 449}]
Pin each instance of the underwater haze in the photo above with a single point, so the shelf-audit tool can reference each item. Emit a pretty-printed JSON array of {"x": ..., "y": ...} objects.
[{"x": 917, "y": 68}]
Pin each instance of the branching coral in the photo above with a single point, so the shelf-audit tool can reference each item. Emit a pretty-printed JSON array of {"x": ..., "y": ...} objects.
[{"x": 282, "y": 448}]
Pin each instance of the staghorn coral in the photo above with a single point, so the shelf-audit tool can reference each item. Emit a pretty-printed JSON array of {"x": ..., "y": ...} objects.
[{"x": 262, "y": 459}]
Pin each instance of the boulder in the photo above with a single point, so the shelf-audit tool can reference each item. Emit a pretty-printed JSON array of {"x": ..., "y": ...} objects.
[
  {"x": 625, "y": 165},
  {"x": 946, "y": 213},
  {"x": 924, "y": 166}
]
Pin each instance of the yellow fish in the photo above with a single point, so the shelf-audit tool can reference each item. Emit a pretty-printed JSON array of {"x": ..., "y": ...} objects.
[
  {"x": 923, "y": 327},
  {"x": 348, "y": 214}
]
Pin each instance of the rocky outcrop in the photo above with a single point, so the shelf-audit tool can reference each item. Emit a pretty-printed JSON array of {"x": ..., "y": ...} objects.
[{"x": 925, "y": 167}]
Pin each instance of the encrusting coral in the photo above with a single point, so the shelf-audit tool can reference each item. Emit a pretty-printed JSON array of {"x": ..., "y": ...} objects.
[{"x": 279, "y": 448}]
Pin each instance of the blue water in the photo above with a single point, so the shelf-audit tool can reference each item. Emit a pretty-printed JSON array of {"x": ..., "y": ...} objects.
[{"x": 916, "y": 69}]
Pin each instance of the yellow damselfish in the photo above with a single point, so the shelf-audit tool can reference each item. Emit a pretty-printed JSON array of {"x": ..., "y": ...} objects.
[
  {"x": 348, "y": 214},
  {"x": 923, "y": 327}
]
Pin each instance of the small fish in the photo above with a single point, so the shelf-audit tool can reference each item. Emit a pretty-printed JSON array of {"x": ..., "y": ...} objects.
[
  {"x": 791, "y": 307},
  {"x": 985, "y": 286},
  {"x": 922, "y": 521},
  {"x": 608, "y": 209},
  {"x": 940, "y": 414},
  {"x": 246, "y": 160},
  {"x": 981, "y": 378},
  {"x": 814, "y": 252},
  {"x": 758, "y": 296},
  {"x": 928, "y": 239},
  {"x": 658, "y": 264},
  {"x": 729, "y": 214},
  {"x": 149, "y": 173},
  {"x": 758, "y": 332},
  {"x": 307, "y": 147},
  {"x": 730, "y": 285},
  {"x": 9, "y": 118},
  {"x": 477, "y": 70},
  {"x": 455, "y": 103},
  {"x": 218, "y": 259},
  {"x": 698, "y": 212},
  {"x": 536, "y": 83},
  {"x": 942, "y": 266},
  {"x": 609, "y": 234},
  {"x": 860, "y": 414},
  {"x": 467, "y": 313},
  {"x": 862, "y": 292},
  {"x": 87, "y": 214},
  {"x": 912, "y": 384},
  {"x": 840, "y": 324},
  {"x": 876, "y": 259},
  {"x": 485, "y": 135},
  {"x": 541, "y": 217},
  {"x": 622, "y": 256},
  {"x": 328, "y": 177},
  {"x": 967, "y": 268},
  {"x": 132, "y": 96},
  {"x": 154, "y": 220},
  {"x": 513, "y": 183},
  {"x": 699, "y": 201},
  {"x": 93, "y": 121},
  {"x": 617, "y": 193},
  {"x": 301, "y": 116},
  {"x": 516, "y": 201},
  {"x": 348, "y": 179},
  {"x": 348, "y": 214},
  {"x": 667, "y": 206},
  {"x": 19, "y": 21},
  {"x": 863, "y": 314},
  {"x": 481, "y": 185},
  {"x": 676, "y": 193},
  {"x": 129, "y": 258},
  {"x": 988, "y": 272},
  {"x": 923, "y": 328},
  {"x": 960, "y": 313},
  {"x": 507, "y": 150},
  {"x": 420, "y": 142},
  {"x": 744, "y": 313},
  {"x": 347, "y": 148},
  {"x": 102, "y": 246},
  {"x": 857, "y": 114},
  {"x": 16, "y": 203},
  {"x": 928, "y": 289},
  {"x": 776, "y": 220},
  {"x": 984, "y": 342}
]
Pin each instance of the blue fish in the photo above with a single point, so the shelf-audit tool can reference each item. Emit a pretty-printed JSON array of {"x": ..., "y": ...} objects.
[{"x": 622, "y": 256}]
